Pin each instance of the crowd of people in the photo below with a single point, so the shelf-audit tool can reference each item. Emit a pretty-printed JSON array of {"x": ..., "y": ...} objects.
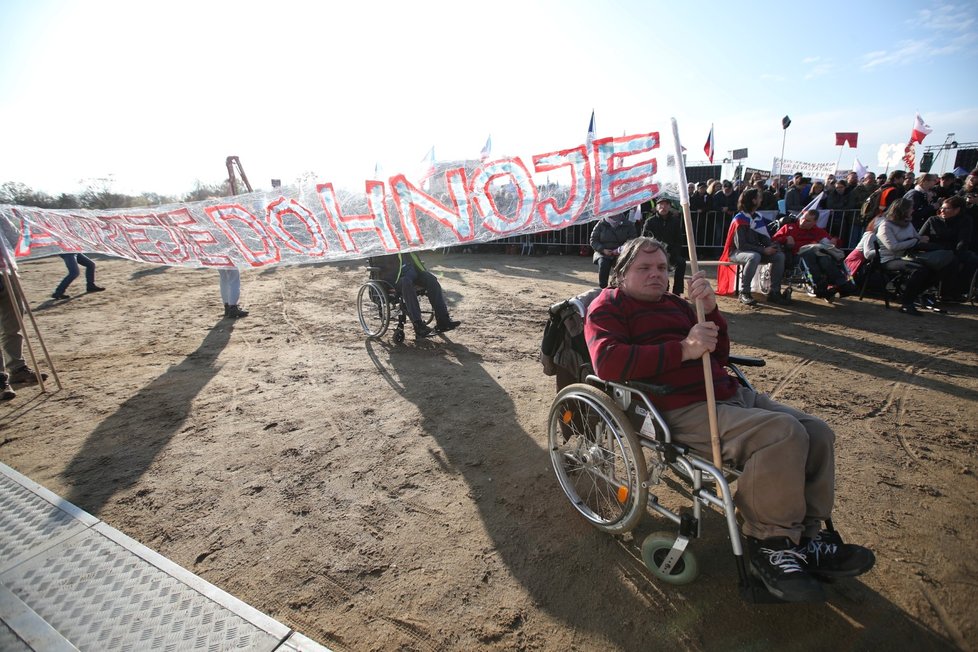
[{"x": 940, "y": 214}]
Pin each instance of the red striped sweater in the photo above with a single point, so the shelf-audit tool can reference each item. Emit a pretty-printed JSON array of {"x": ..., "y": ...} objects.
[{"x": 630, "y": 339}]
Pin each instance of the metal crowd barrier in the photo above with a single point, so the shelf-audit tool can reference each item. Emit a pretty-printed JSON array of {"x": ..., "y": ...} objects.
[{"x": 711, "y": 232}]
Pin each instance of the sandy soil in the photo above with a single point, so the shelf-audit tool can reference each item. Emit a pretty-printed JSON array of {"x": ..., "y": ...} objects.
[{"x": 400, "y": 497}]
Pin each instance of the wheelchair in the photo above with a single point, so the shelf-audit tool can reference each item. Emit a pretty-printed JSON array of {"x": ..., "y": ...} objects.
[
  {"x": 610, "y": 448},
  {"x": 379, "y": 303}
]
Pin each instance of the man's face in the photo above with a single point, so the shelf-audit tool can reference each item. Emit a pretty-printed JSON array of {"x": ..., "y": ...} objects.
[
  {"x": 662, "y": 209},
  {"x": 647, "y": 278},
  {"x": 869, "y": 180},
  {"x": 808, "y": 221},
  {"x": 928, "y": 184},
  {"x": 852, "y": 178},
  {"x": 728, "y": 190}
]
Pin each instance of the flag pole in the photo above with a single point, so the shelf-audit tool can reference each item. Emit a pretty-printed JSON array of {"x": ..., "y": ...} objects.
[
  {"x": 837, "y": 161},
  {"x": 711, "y": 401},
  {"x": 20, "y": 305}
]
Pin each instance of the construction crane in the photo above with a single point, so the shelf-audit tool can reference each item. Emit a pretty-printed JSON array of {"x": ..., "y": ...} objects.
[{"x": 232, "y": 163}]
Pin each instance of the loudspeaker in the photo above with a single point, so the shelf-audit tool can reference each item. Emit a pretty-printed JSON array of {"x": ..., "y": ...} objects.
[
  {"x": 926, "y": 161},
  {"x": 967, "y": 159}
]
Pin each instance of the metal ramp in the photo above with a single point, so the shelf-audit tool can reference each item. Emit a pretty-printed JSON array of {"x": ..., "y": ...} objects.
[{"x": 68, "y": 581}]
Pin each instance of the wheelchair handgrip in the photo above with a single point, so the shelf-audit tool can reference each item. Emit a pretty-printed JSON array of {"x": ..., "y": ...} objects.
[{"x": 746, "y": 361}]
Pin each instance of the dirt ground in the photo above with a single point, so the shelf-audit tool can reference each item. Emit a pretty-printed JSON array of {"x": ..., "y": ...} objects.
[{"x": 400, "y": 497}]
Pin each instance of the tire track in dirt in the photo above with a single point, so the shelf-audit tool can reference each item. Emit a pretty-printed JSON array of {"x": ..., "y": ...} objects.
[
  {"x": 788, "y": 377},
  {"x": 632, "y": 569},
  {"x": 898, "y": 398}
]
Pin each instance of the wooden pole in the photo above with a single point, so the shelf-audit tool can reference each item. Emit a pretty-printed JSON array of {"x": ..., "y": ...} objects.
[
  {"x": 711, "y": 401},
  {"x": 17, "y": 299}
]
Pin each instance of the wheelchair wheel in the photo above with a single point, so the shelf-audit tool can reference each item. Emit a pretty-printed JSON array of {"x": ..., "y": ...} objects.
[
  {"x": 597, "y": 458},
  {"x": 656, "y": 547},
  {"x": 373, "y": 309}
]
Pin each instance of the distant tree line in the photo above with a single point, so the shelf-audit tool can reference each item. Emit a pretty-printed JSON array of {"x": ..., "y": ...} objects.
[{"x": 98, "y": 195}]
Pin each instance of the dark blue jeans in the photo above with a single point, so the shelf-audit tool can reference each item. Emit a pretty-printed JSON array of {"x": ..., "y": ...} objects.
[
  {"x": 72, "y": 261},
  {"x": 409, "y": 281}
]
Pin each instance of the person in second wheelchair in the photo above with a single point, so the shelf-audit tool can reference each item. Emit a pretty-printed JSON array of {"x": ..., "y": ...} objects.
[
  {"x": 407, "y": 273},
  {"x": 636, "y": 330},
  {"x": 902, "y": 249},
  {"x": 806, "y": 240}
]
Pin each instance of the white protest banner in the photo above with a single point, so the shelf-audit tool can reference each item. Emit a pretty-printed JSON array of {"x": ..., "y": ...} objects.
[
  {"x": 321, "y": 223},
  {"x": 816, "y": 170}
]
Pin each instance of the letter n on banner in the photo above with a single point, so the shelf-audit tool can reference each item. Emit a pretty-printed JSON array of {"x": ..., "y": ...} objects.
[
  {"x": 526, "y": 195},
  {"x": 377, "y": 221},
  {"x": 618, "y": 186},
  {"x": 223, "y": 215},
  {"x": 410, "y": 199},
  {"x": 580, "y": 185}
]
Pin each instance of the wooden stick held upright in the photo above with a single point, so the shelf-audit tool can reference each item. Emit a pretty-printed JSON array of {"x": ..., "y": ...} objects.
[
  {"x": 711, "y": 400},
  {"x": 18, "y": 300}
]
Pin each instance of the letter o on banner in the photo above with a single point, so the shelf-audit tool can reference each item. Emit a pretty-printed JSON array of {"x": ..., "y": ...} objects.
[{"x": 522, "y": 185}]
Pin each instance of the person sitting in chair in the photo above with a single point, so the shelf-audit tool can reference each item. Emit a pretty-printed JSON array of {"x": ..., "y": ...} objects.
[
  {"x": 407, "y": 273},
  {"x": 607, "y": 238},
  {"x": 806, "y": 240},
  {"x": 636, "y": 330},
  {"x": 751, "y": 248}
]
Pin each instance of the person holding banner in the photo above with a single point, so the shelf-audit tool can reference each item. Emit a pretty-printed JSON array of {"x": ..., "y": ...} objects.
[
  {"x": 407, "y": 273},
  {"x": 231, "y": 293},
  {"x": 636, "y": 330},
  {"x": 607, "y": 238},
  {"x": 72, "y": 261},
  {"x": 750, "y": 248},
  {"x": 13, "y": 367}
]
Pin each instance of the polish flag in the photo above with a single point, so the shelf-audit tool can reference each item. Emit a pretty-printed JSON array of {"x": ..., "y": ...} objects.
[
  {"x": 920, "y": 130},
  {"x": 708, "y": 147},
  {"x": 429, "y": 165},
  {"x": 486, "y": 149}
]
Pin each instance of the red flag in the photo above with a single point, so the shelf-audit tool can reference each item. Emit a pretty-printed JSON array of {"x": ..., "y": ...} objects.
[
  {"x": 910, "y": 155},
  {"x": 708, "y": 148},
  {"x": 920, "y": 130},
  {"x": 846, "y": 138}
]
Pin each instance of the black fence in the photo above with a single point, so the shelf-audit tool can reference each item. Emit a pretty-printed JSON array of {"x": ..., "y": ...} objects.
[{"x": 710, "y": 233}]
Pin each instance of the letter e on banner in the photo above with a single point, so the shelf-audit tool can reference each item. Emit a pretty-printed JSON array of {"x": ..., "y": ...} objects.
[
  {"x": 618, "y": 186},
  {"x": 580, "y": 186},
  {"x": 526, "y": 195},
  {"x": 225, "y": 215}
]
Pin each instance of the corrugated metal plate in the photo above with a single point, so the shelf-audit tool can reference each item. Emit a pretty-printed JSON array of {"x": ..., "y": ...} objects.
[
  {"x": 29, "y": 522},
  {"x": 101, "y": 596}
]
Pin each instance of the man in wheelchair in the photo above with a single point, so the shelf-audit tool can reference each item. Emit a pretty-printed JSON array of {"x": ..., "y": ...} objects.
[
  {"x": 406, "y": 274},
  {"x": 806, "y": 241},
  {"x": 637, "y": 330}
]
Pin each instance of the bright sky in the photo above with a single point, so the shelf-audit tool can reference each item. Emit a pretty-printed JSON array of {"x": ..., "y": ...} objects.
[{"x": 158, "y": 94}]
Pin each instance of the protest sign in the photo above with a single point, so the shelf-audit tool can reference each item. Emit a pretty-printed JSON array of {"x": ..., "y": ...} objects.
[
  {"x": 819, "y": 171},
  {"x": 494, "y": 199}
]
